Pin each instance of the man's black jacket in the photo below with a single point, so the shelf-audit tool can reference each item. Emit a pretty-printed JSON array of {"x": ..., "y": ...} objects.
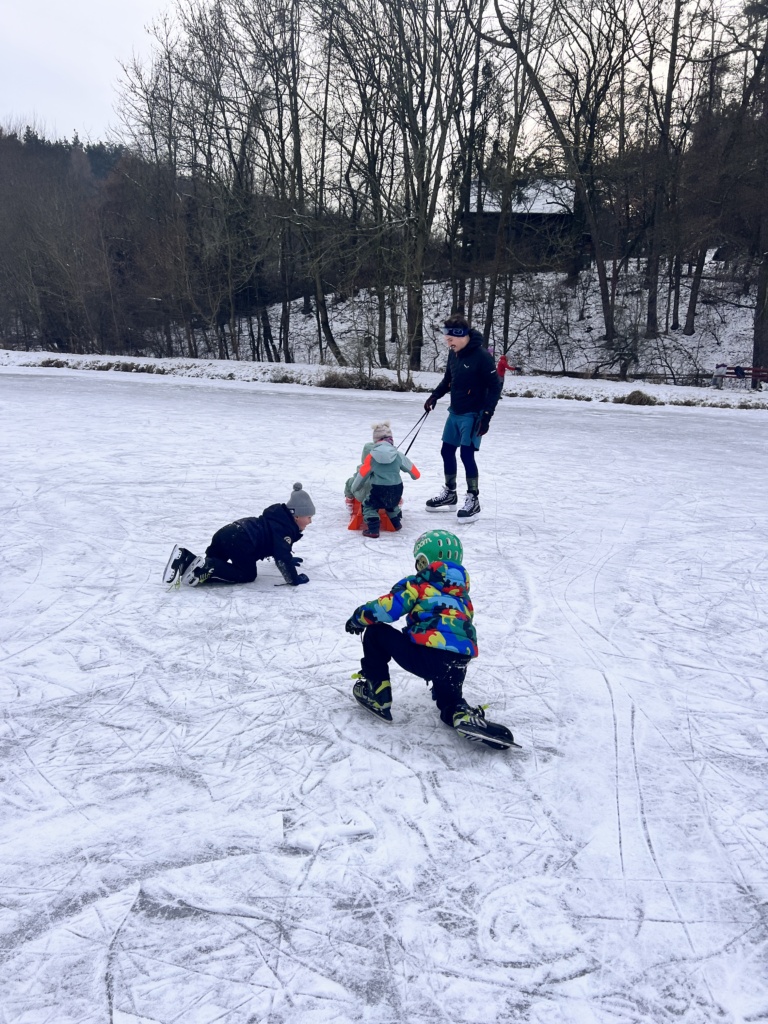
[{"x": 471, "y": 378}]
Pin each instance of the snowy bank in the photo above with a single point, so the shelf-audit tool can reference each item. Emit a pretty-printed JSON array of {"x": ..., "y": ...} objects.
[{"x": 735, "y": 394}]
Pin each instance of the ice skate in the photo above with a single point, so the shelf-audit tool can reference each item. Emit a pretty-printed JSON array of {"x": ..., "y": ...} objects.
[
  {"x": 445, "y": 501},
  {"x": 470, "y": 509},
  {"x": 472, "y": 724},
  {"x": 376, "y": 699},
  {"x": 177, "y": 565},
  {"x": 199, "y": 571}
]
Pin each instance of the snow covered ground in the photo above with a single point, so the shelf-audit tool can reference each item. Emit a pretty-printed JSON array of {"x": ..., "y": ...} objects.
[
  {"x": 734, "y": 394},
  {"x": 198, "y": 823}
]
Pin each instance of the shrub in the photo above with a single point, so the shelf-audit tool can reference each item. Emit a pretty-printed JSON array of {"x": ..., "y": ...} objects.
[
  {"x": 636, "y": 398},
  {"x": 358, "y": 379}
]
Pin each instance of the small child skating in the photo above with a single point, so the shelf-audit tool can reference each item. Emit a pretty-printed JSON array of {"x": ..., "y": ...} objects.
[
  {"x": 437, "y": 643},
  {"x": 235, "y": 549},
  {"x": 378, "y": 484}
]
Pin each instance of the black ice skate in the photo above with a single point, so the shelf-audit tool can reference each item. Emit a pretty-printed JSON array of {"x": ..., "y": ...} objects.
[
  {"x": 472, "y": 724},
  {"x": 445, "y": 501},
  {"x": 376, "y": 699},
  {"x": 178, "y": 563},
  {"x": 470, "y": 509},
  {"x": 199, "y": 571}
]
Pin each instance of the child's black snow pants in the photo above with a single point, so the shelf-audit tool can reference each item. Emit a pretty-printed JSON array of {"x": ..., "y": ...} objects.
[
  {"x": 231, "y": 555},
  {"x": 444, "y": 669},
  {"x": 386, "y": 496}
]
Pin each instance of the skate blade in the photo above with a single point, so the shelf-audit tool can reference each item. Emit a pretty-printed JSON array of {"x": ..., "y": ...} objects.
[
  {"x": 502, "y": 744},
  {"x": 479, "y": 735},
  {"x": 376, "y": 714},
  {"x": 169, "y": 574}
]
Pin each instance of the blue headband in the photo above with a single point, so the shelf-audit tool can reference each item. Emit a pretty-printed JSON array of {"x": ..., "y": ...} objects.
[{"x": 456, "y": 332}]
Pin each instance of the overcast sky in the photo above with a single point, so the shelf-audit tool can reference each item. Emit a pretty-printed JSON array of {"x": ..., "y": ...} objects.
[{"x": 59, "y": 61}]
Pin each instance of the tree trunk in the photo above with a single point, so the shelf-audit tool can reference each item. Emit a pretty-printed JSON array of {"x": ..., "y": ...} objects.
[
  {"x": 573, "y": 165},
  {"x": 760, "y": 336},
  {"x": 255, "y": 347},
  {"x": 266, "y": 328},
  {"x": 676, "y": 275},
  {"x": 508, "y": 282},
  {"x": 690, "y": 316},
  {"x": 325, "y": 324},
  {"x": 381, "y": 327},
  {"x": 661, "y": 188}
]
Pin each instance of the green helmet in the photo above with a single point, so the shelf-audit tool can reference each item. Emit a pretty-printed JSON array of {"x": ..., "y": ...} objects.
[{"x": 437, "y": 546}]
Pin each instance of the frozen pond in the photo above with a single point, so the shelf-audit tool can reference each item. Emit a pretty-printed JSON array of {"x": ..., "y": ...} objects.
[{"x": 200, "y": 825}]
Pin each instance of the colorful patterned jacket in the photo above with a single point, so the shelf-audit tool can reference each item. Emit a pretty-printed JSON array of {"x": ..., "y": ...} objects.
[{"x": 437, "y": 607}]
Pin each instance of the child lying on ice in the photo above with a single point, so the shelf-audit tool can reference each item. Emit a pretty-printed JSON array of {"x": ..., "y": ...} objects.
[{"x": 235, "y": 549}]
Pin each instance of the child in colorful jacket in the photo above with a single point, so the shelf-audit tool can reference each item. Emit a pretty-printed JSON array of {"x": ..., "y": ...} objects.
[
  {"x": 377, "y": 482},
  {"x": 437, "y": 643}
]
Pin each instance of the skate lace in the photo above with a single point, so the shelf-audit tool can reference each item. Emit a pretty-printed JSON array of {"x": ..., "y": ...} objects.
[
  {"x": 472, "y": 716},
  {"x": 469, "y": 503},
  {"x": 445, "y": 493}
]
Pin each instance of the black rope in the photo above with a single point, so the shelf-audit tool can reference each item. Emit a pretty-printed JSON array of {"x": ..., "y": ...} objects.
[{"x": 417, "y": 427}]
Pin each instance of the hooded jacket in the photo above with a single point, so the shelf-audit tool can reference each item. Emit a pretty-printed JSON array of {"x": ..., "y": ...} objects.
[
  {"x": 273, "y": 534},
  {"x": 437, "y": 607},
  {"x": 383, "y": 465},
  {"x": 471, "y": 378}
]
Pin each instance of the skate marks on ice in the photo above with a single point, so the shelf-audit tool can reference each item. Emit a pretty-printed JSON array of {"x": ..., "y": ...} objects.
[{"x": 206, "y": 827}]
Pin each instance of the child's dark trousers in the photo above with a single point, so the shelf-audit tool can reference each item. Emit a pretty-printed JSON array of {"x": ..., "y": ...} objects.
[
  {"x": 446, "y": 670},
  {"x": 231, "y": 555}
]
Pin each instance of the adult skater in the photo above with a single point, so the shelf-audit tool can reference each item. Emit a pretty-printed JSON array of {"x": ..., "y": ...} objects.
[
  {"x": 475, "y": 387},
  {"x": 235, "y": 549},
  {"x": 437, "y": 643}
]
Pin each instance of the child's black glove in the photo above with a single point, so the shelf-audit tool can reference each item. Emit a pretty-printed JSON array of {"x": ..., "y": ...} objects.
[
  {"x": 301, "y": 578},
  {"x": 352, "y": 627},
  {"x": 296, "y": 561}
]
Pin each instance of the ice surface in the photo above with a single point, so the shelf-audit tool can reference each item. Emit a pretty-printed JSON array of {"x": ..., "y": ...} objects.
[{"x": 200, "y": 825}]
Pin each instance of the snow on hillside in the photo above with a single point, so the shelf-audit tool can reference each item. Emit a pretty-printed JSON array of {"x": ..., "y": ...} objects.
[
  {"x": 552, "y": 328},
  {"x": 735, "y": 393},
  {"x": 200, "y": 825}
]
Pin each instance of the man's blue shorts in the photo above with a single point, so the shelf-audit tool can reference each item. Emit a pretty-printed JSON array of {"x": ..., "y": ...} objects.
[{"x": 460, "y": 429}]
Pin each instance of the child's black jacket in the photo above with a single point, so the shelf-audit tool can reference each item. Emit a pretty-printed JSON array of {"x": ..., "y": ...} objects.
[{"x": 273, "y": 534}]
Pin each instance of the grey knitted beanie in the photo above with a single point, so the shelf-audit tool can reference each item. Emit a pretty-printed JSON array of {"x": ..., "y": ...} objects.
[
  {"x": 300, "y": 503},
  {"x": 381, "y": 430}
]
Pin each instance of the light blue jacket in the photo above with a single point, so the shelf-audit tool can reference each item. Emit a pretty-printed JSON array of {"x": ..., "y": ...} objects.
[{"x": 382, "y": 465}]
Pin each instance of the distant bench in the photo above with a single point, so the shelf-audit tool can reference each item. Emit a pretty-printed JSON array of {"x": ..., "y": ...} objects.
[{"x": 751, "y": 373}]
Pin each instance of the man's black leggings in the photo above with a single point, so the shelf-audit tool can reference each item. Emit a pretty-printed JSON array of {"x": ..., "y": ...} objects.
[
  {"x": 448, "y": 452},
  {"x": 446, "y": 670},
  {"x": 231, "y": 555}
]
